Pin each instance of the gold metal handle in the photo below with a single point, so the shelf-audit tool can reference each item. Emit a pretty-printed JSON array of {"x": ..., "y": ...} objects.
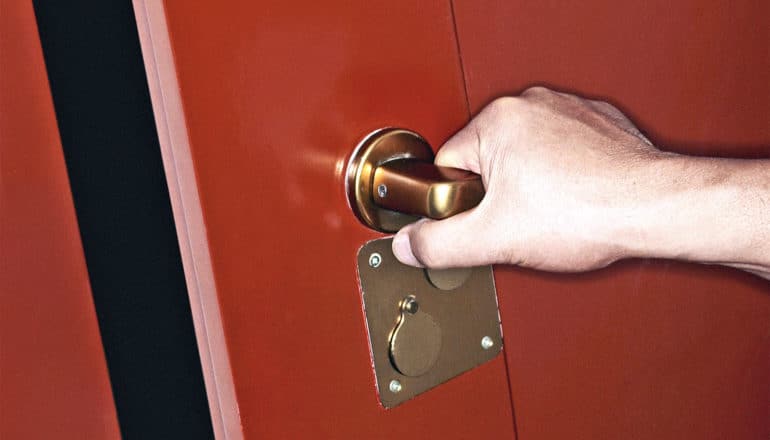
[
  {"x": 426, "y": 190},
  {"x": 391, "y": 181}
]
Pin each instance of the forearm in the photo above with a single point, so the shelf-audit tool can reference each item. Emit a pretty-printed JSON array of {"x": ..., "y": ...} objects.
[
  {"x": 573, "y": 186},
  {"x": 706, "y": 210}
]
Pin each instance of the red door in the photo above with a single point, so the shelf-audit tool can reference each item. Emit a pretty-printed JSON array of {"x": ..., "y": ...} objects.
[{"x": 259, "y": 103}]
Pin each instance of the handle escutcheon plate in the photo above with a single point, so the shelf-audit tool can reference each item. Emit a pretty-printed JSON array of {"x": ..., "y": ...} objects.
[{"x": 391, "y": 181}]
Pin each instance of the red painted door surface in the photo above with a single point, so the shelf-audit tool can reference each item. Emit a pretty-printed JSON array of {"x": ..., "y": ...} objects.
[
  {"x": 643, "y": 349},
  {"x": 257, "y": 105},
  {"x": 53, "y": 374}
]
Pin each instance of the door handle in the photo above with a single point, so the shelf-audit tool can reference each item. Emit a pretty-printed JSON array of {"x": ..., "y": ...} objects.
[
  {"x": 421, "y": 188},
  {"x": 391, "y": 181}
]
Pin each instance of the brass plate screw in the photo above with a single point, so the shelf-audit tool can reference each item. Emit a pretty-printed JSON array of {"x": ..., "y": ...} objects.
[
  {"x": 375, "y": 260},
  {"x": 487, "y": 343},
  {"x": 395, "y": 386}
]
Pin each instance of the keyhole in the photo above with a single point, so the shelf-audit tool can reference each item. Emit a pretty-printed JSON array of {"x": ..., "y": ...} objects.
[{"x": 415, "y": 342}]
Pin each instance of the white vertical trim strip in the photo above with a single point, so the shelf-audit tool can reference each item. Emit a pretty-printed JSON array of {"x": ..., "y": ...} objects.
[{"x": 188, "y": 216}]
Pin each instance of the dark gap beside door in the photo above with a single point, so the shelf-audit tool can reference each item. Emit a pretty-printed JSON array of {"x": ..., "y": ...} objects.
[{"x": 111, "y": 148}]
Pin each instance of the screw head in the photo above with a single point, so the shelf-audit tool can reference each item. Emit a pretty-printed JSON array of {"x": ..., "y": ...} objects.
[
  {"x": 382, "y": 190},
  {"x": 487, "y": 343},
  {"x": 375, "y": 260},
  {"x": 395, "y": 386}
]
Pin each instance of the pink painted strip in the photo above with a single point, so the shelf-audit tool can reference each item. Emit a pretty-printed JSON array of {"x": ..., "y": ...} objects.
[{"x": 190, "y": 225}]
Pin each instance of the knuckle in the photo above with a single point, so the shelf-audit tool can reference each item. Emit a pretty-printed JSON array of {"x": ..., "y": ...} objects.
[
  {"x": 502, "y": 109},
  {"x": 536, "y": 91},
  {"x": 502, "y": 105},
  {"x": 606, "y": 106}
]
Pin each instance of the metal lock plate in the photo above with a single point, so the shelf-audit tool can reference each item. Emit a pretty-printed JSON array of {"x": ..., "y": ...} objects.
[{"x": 425, "y": 327}]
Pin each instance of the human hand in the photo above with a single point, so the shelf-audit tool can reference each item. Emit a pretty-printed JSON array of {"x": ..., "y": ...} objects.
[{"x": 562, "y": 176}]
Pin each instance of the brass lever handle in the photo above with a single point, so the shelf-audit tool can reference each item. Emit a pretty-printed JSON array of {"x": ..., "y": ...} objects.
[
  {"x": 426, "y": 190},
  {"x": 391, "y": 181}
]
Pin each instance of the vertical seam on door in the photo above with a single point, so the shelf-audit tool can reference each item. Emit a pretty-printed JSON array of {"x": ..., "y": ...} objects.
[
  {"x": 468, "y": 106},
  {"x": 460, "y": 57}
]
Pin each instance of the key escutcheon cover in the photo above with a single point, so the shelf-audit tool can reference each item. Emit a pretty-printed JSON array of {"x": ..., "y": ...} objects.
[{"x": 447, "y": 328}]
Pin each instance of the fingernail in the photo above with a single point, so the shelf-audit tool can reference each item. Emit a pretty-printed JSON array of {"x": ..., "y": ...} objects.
[{"x": 402, "y": 249}]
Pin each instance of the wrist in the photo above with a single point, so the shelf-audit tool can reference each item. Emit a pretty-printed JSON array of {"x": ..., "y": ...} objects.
[{"x": 700, "y": 209}]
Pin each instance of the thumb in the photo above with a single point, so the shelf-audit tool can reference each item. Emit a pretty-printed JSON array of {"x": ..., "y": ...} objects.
[
  {"x": 458, "y": 241},
  {"x": 461, "y": 150}
]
